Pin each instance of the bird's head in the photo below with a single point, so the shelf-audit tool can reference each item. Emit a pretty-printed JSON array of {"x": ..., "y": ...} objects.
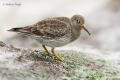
[{"x": 79, "y": 21}]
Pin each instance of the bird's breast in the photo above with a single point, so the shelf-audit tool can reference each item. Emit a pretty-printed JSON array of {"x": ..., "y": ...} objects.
[{"x": 54, "y": 42}]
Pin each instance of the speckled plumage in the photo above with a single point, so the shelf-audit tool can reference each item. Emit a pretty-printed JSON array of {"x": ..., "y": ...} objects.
[
  {"x": 56, "y": 31},
  {"x": 52, "y": 32}
]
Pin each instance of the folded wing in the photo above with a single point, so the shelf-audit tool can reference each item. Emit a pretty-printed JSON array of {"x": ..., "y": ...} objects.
[{"x": 51, "y": 28}]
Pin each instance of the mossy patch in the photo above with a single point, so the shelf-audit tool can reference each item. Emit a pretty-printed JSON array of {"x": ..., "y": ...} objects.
[{"x": 37, "y": 65}]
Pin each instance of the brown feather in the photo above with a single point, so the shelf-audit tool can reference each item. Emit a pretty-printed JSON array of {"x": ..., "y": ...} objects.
[{"x": 21, "y": 29}]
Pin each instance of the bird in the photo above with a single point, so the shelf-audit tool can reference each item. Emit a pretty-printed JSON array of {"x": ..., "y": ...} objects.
[{"x": 55, "y": 32}]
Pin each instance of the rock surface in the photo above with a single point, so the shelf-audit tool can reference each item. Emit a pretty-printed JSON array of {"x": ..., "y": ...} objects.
[{"x": 21, "y": 64}]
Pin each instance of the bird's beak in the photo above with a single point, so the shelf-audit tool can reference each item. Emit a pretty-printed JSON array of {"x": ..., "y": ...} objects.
[{"x": 83, "y": 26}]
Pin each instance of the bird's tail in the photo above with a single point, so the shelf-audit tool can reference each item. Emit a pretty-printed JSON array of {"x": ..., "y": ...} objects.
[
  {"x": 20, "y": 29},
  {"x": 15, "y": 29}
]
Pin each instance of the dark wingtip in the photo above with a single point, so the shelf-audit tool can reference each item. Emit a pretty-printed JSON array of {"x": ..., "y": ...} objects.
[
  {"x": 14, "y": 29},
  {"x": 11, "y": 29}
]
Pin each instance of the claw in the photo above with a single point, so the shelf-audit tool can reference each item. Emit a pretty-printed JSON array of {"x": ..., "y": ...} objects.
[
  {"x": 52, "y": 53},
  {"x": 56, "y": 55}
]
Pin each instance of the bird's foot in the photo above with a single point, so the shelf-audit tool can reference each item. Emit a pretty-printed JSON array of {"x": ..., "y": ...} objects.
[
  {"x": 57, "y": 56},
  {"x": 53, "y": 54}
]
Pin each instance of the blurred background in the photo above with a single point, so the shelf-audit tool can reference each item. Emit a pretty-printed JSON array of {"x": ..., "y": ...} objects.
[{"x": 102, "y": 20}]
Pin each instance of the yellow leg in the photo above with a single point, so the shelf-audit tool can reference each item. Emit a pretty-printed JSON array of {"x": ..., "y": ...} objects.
[
  {"x": 46, "y": 50},
  {"x": 56, "y": 55}
]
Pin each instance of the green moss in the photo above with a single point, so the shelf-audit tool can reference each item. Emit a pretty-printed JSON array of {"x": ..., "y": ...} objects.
[
  {"x": 77, "y": 66},
  {"x": 81, "y": 66},
  {"x": 115, "y": 78}
]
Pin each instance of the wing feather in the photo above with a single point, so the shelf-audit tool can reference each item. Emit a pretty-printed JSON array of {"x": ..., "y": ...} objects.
[
  {"x": 51, "y": 28},
  {"x": 64, "y": 19}
]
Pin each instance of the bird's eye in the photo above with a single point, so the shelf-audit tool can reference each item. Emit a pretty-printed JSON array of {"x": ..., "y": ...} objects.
[{"x": 78, "y": 21}]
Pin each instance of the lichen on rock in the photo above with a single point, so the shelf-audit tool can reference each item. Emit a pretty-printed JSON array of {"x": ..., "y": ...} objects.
[{"x": 25, "y": 64}]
